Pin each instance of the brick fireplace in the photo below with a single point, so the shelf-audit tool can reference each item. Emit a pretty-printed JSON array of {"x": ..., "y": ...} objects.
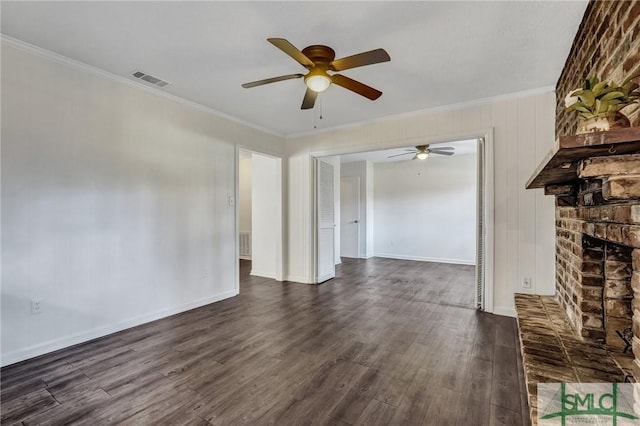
[
  {"x": 590, "y": 330},
  {"x": 596, "y": 181}
]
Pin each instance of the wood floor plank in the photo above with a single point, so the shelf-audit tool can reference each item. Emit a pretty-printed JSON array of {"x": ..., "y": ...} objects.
[
  {"x": 444, "y": 407},
  {"x": 476, "y": 395},
  {"x": 79, "y": 403},
  {"x": 505, "y": 390},
  {"x": 376, "y": 413},
  {"x": 484, "y": 345},
  {"x": 385, "y": 342},
  {"x": 358, "y": 398},
  {"x": 412, "y": 410},
  {"x": 28, "y": 405},
  {"x": 502, "y": 416}
]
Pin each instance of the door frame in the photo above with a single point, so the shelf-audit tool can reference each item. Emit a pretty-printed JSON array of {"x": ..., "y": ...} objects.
[
  {"x": 280, "y": 242},
  {"x": 485, "y": 170},
  {"x": 357, "y": 180}
]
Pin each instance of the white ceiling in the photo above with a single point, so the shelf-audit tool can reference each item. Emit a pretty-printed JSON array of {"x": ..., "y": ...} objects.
[
  {"x": 442, "y": 53},
  {"x": 465, "y": 147}
]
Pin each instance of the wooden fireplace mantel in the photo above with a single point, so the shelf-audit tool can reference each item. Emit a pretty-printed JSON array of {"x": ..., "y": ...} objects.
[{"x": 561, "y": 164}]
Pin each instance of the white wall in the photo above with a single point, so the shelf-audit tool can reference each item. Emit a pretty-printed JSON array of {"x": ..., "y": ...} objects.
[
  {"x": 369, "y": 211},
  {"x": 266, "y": 218},
  {"x": 426, "y": 210},
  {"x": 244, "y": 195},
  {"x": 115, "y": 207},
  {"x": 523, "y": 132}
]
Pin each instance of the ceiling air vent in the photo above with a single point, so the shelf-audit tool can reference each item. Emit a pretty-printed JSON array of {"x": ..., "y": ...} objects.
[{"x": 149, "y": 78}]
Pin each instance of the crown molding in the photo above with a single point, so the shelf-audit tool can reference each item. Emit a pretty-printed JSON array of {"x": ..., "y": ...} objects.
[{"x": 47, "y": 54}]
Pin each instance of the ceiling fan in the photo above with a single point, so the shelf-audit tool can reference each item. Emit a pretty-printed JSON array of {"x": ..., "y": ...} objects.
[
  {"x": 421, "y": 152},
  {"x": 318, "y": 60}
]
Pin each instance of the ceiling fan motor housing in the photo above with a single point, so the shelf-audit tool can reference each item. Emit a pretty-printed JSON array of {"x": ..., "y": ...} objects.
[{"x": 319, "y": 54}]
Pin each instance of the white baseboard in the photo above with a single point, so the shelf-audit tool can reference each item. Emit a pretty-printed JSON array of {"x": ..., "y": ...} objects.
[
  {"x": 297, "y": 279},
  {"x": 426, "y": 259},
  {"x": 262, "y": 274},
  {"x": 326, "y": 277},
  {"x": 504, "y": 311},
  {"x": 66, "y": 341}
]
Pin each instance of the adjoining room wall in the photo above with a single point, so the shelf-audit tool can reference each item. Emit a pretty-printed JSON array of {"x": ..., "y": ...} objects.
[
  {"x": 244, "y": 195},
  {"x": 369, "y": 226},
  {"x": 426, "y": 210},
  {"x": 116, "y": 204},
  {"x": 523, "y": 132}
]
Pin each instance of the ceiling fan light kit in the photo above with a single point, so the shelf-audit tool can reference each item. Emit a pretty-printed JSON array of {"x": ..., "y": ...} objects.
[
  {"x": 319, "y": 59},
  {"x": 317, "y": 80}
]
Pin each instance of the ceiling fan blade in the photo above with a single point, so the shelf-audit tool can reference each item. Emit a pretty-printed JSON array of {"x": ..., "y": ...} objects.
[
  {"x": 431, "y": 151},
  {"x": 292, "y": 51},
  {"x": 309, "y": 99},
  {"x": 443, "y": 148},
  {"x": 356, "y": 86},
  {"x": 361, "y": 59},
  {"x": 271, "y": 80},
  {"x": 404, "y": 153}
]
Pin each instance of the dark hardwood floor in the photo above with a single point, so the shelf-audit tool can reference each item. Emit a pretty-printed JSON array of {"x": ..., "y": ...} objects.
[{"x": 385, "y": 342}]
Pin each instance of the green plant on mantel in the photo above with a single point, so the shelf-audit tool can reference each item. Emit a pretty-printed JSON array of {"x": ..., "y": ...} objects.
[{"x": 599, "y": 98}]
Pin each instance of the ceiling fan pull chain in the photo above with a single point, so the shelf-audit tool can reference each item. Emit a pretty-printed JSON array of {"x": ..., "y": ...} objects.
[
  {"x": 315, "y": 120},
  {"x": 317, "y": 117}
]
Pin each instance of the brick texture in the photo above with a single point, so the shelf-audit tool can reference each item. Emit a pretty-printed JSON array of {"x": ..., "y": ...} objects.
[
  {"x": 607, "y": 45},
  {"x": 593, "y": 274}
]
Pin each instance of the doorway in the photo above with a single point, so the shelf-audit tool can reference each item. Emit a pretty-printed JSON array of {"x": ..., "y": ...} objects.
[
  {"x": 482, "y": 215},
  {"x": 259, "y": 214}
]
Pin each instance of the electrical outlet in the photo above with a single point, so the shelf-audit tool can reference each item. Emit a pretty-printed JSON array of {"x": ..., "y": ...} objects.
[
  {"x": 36, "y": 307},
  {"x": 526, "y": 282}
]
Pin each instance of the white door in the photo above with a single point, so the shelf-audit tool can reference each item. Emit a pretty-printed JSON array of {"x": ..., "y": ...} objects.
[
  {"x": 266, "y": 217},
  {"x": 350, "y": 217},
  {"x": 325, "y": 222}
]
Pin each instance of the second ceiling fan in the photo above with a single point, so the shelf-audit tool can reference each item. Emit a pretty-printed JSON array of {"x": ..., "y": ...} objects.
[
  {"x": 421, "y": 152},
  {"x": 318, "y": 60}
]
